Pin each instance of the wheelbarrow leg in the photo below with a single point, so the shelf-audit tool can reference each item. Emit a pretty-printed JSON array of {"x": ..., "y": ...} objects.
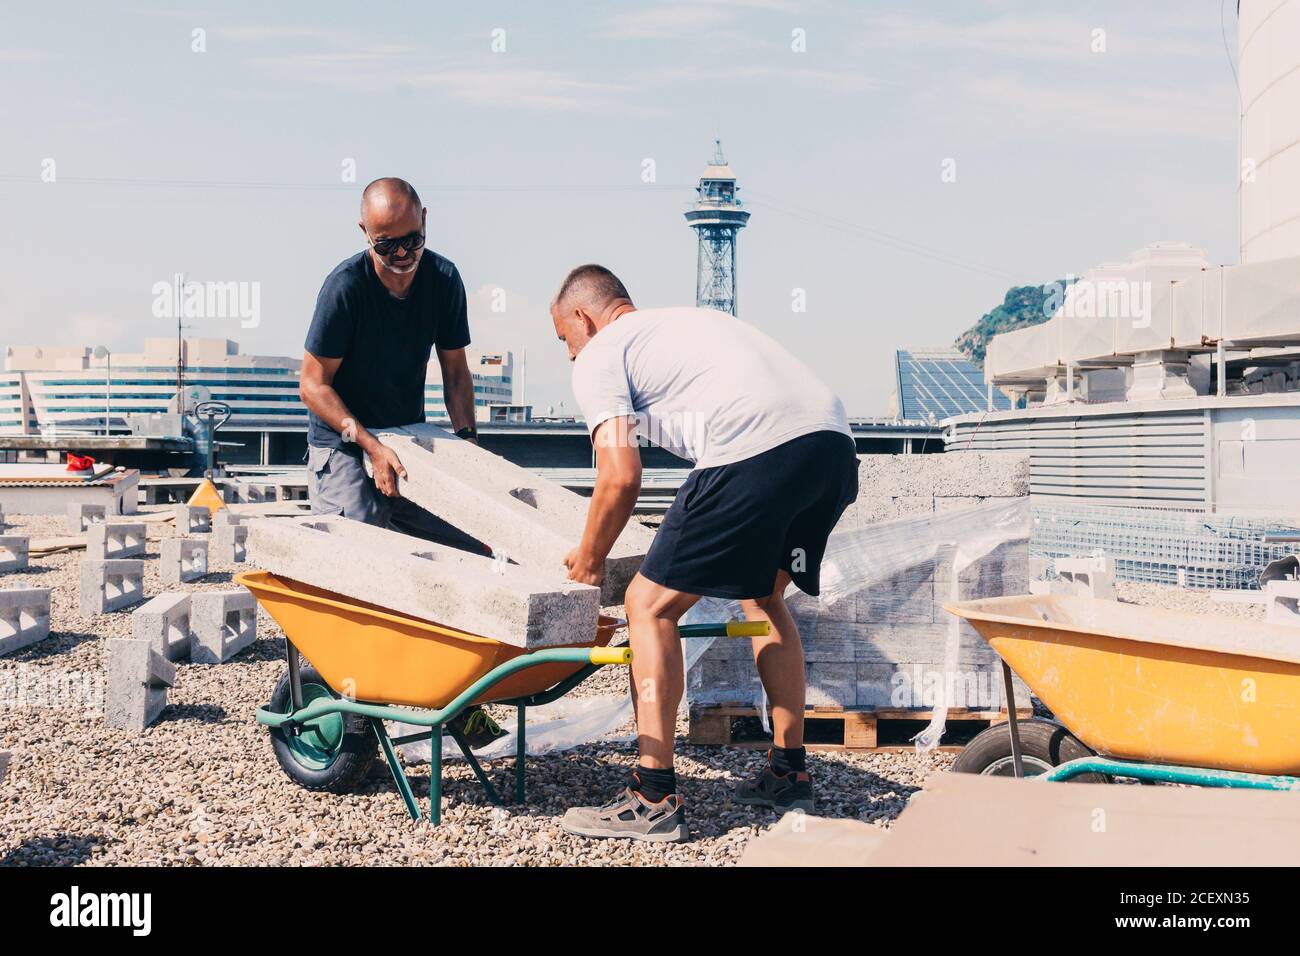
[
  {"x": 1016, "y": 763},
  {"x": 399, "y": 775},
  {"x": 521, "y": 749},
  {"x": 491, "y": 791},
  {"x": 435, "y": 776}
]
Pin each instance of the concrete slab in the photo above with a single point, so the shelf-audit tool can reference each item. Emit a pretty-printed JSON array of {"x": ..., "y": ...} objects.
[
  {"x": 108, "y": 542},
  {"x": 182, "y": 559},
  {"x": 530, "y": 520},
  {"x": 164, "y": 622},
  {"x": 24, "y": 618},
  {"x": 14, "y": 552},
  {"x": 110, "y": 585},
  {"x": 224, "y": 623},
  {"x": 137, "y": 681},
  {"x": 491, "y": 598}
]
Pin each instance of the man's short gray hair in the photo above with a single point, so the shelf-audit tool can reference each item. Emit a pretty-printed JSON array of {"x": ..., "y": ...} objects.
[{"x": 592, "y": 284}]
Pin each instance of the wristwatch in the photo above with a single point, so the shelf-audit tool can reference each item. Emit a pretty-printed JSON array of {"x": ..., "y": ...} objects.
[{"x": 467, "y": 432}]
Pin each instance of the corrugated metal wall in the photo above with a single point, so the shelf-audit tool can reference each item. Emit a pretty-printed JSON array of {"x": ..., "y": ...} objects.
[{"x": 1137, "y": 460}]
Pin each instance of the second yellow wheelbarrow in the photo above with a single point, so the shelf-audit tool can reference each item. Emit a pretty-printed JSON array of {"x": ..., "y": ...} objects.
[
  {"x": 365, "y": 665},
  {"x": 1141, "y": 693}
]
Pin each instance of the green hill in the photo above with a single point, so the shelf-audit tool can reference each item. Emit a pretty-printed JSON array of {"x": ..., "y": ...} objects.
[{"x": 1021, "y": 308}]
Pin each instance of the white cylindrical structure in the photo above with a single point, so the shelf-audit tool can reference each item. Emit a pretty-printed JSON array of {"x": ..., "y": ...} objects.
[{"x": 1269, "y": 71}]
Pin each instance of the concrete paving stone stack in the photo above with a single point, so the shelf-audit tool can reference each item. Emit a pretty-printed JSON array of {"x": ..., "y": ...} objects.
[{"x": 879, "y": 646}]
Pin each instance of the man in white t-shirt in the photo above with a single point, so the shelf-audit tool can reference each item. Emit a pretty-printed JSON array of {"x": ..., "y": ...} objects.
[{"x": 775, "y": 467}]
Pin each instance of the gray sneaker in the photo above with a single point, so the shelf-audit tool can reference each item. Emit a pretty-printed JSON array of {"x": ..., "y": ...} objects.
[{"x": 630, "y": 816}]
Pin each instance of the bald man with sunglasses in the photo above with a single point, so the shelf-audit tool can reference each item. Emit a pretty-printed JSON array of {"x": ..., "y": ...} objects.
[{"x": 378, "y": 317}]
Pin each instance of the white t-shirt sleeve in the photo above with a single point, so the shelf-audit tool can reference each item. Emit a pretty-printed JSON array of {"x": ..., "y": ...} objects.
[{"x": 600, "y": 386}]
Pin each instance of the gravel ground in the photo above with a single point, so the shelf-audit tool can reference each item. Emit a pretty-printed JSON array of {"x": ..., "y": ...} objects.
[{"x": 201, "y": 786}]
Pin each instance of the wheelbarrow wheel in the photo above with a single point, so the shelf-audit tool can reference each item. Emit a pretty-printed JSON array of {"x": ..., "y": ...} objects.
[
  {"x": 332, "y": 753},
  {"x": 1044, "y": 744}
]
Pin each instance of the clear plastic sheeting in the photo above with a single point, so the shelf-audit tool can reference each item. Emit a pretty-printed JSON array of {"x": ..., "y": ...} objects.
[
  {"x": 855, "y": 560},
  {"x": 867, "y": 557},
  {"x": 560, "y": 725}
]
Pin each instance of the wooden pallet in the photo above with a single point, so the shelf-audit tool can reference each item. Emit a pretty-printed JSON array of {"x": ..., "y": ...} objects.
[{"x": 872, "y": 731}]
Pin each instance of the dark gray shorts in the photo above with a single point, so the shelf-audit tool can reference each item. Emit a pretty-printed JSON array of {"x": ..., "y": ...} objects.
[{"x": 338, "y": 485}]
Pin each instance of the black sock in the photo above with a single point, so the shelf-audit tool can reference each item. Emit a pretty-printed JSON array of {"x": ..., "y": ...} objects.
[
  {"x": 788, "y": 759},
  {"x": 654, "y": 784}
]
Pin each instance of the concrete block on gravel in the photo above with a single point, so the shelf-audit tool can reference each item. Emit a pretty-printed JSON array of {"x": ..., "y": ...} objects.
[
  {"x": 82, "y": 516},
  {"x": 530, "y": 520},
  {"x": 230, "y": 543},
  {"x": 108, "y": 542},
  {"x": 164, "y": 622},
  {"x": 137, "y": 681},
  {"x": 24, "y": 618},
  {"x": 223, "y": 622},
  {"x": 182, "y": 559},
  {"x": 14, "y": 555},
  {"x": 110, "y": 585},
  {"x": 193, "y": 519},
  {"x": 492, "y": 598}
]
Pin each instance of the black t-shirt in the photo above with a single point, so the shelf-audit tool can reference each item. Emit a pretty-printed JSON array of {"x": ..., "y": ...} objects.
[{"x": 384, "y": 341}]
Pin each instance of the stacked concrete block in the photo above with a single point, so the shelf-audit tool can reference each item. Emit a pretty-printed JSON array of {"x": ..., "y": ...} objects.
[
  {"x": 164, "y": 623},
  {"x": 182, "y": 559},
  {"x": 108, "y": 542},
  {"x": 230, "y": 543},
  {"x": 193, "y": 519},
  {"x": 905, "y": 486},
  {"x": 884, "y": 646},
  {"x": 111, "y": 585},
  {"x": 24, "y": 618},
  {"x": 81, "y": 516},
  {"x": 485, "y": 596},
  {"x": 527, "y": 519},
  {"x": 14, "y": 554},
  {"x": 137, "y": 681},
  {"x": 224, "y": 623}
]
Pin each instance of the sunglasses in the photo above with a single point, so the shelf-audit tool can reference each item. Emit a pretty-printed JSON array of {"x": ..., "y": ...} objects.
[{"x": 386, "y": 247}]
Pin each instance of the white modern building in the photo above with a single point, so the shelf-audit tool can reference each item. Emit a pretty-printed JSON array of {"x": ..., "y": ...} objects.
[{"x": 62, "y": 390}]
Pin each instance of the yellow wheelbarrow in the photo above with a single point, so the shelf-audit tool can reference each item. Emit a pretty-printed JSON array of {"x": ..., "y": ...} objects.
[
  {"x": 365, "y": 665},
  {"x": 1142, "y": 693}
]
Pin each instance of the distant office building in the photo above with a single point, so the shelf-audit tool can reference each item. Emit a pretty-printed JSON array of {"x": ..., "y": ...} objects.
[
  {"x": 70, "y": 389},
  {"x": 933, "y": 384}
]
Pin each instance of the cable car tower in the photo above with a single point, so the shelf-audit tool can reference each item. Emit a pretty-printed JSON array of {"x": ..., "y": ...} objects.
[{"x": 716, "y": 217}]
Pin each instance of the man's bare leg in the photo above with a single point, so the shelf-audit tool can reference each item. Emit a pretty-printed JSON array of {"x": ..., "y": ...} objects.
[
  {"x": 779, "y": 657},
  {"x": 657, "y": 674}
]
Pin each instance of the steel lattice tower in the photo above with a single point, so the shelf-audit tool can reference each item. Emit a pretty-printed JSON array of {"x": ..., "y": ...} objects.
[{"x": 716, "y": 217}]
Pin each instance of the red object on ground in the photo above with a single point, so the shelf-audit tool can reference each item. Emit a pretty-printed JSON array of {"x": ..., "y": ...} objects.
[{"x": 79, "y": 462}]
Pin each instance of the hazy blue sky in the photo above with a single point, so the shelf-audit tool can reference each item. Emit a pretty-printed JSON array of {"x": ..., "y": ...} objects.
[{"x": 530, "y": 160}]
